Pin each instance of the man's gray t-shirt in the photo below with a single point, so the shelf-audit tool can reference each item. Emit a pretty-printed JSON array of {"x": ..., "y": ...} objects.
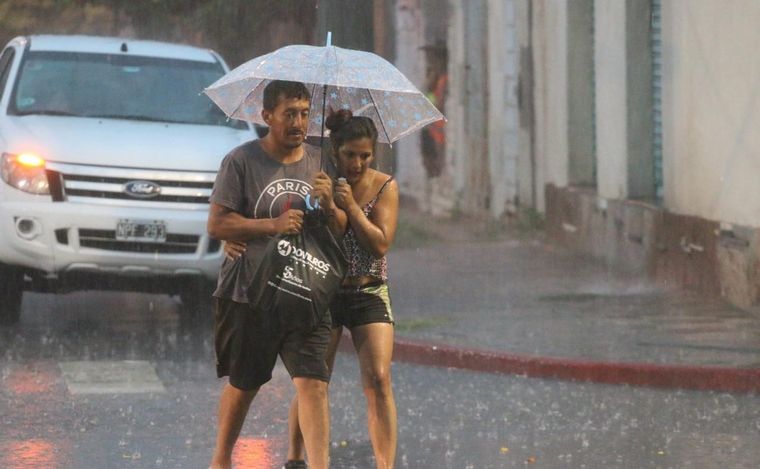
[{"x": 254, "y": 185}]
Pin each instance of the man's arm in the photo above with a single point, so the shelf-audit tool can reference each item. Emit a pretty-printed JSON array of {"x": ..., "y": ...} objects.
[{"x": 227, "y": 225}]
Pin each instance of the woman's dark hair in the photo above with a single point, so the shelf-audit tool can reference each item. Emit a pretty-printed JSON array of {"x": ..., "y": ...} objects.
[{"x": 345, "y": 127}]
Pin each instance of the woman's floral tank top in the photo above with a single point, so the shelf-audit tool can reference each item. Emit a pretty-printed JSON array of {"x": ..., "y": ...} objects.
[{"x": 360, "y": 261}]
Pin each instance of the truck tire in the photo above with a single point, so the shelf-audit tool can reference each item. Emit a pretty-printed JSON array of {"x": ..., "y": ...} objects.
[{"x": 11, "y": 292}]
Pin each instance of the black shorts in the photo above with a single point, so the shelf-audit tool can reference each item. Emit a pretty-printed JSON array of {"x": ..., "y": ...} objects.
[
  {"x": 356, "y": 306},
  {"x": 247, "y": 343}
]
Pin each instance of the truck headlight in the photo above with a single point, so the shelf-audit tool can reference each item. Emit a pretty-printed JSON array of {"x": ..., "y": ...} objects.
[{"x": 25, "y": 172}]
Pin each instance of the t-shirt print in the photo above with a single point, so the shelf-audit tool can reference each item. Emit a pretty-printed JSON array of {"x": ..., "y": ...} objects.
[{"x": 279, "y": 196}]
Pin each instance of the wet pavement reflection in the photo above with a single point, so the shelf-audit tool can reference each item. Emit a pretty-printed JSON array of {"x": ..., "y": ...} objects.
[{"x": 30, "y": 453}]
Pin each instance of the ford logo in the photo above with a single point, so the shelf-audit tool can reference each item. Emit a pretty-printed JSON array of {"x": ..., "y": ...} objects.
[{"x": 142, "y": 189}]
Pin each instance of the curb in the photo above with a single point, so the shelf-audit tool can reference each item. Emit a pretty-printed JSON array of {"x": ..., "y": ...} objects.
[{"x": 702, "y": 378}]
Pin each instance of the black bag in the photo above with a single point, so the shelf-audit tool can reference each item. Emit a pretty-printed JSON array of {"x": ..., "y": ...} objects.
[{"x": 299, "y": 274}]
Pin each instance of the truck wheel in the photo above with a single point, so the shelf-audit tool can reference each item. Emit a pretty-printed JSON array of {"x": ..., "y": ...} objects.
[{"x": 11, "y": 292}]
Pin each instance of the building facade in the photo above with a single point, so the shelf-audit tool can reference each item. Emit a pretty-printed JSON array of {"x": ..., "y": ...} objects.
[
  {"x": 627, "y": 123},
  {"x": 659, "y": 174},
  {"x": 469, "y": 165}
]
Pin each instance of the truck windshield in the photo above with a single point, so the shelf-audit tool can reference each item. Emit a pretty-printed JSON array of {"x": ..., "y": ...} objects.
[{"x": 118, "y": 87}]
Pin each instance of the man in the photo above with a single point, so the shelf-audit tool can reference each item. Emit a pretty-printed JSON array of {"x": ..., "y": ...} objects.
[
  {"x": 434, "y": 135},
  {"x": 259, "y": 192}
]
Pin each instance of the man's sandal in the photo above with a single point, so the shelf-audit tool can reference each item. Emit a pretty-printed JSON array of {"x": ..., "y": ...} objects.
[{"x": 295, "y": 464}]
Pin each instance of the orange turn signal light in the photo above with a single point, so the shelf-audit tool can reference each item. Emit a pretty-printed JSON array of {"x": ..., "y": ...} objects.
[{"x": 30, "y": 160}]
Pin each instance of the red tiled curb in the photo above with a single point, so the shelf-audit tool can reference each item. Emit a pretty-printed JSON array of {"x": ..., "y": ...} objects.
[{"x": 634, "y": 374}]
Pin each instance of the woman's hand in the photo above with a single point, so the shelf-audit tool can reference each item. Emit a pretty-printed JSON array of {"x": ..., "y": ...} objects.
[
  {"x": 233, "y": 249},
  {"x": 344, "y": 196}
]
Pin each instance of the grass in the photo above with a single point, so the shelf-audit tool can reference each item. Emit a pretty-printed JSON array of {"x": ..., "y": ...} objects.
[{"x": 530, "y": 220}]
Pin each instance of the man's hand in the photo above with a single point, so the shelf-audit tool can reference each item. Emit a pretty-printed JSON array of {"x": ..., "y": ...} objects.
[
  {"x": 234, "y": 249},
  {"x": 323, "y": 190},
  {"x": 289, "y": 222}
]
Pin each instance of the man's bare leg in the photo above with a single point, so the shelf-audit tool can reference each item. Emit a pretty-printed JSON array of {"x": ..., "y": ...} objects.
[
  {"x": 233, "y": 408},
  {"x": 295, "y": 438},
  {"x": 314, "y": 419}
]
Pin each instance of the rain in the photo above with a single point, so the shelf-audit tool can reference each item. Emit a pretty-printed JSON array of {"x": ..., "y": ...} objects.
[{"x": 573, "y": 278}]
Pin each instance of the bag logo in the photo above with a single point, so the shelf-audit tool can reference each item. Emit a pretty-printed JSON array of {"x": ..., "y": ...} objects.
[
  {"x": 286, "y": 249},
  {"x": 289, "y": 274}
]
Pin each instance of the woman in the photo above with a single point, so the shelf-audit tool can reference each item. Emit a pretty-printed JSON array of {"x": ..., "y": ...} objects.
[{"x": 362, "y": 305}]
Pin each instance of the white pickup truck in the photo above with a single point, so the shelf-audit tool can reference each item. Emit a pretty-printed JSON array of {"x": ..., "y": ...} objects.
[{"x": 108, "y": 153}]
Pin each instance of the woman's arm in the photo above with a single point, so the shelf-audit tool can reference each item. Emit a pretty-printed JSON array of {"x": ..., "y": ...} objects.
[
  {"x": 376, "y": 233},
  {"x": 234, "y": 249}
]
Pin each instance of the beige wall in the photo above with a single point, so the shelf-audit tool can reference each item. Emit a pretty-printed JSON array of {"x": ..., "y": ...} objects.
[
  {"x": 611, "y": 109},
  {"x": 613, "y": 73},
  {"x": 551, "y": 110},
  {"x": 410, "y": 60},
  {"x": 482, "y": 132},
  {"x": 503, "y": 123},
  {"x": 711, "y": 109},
  {"x": 527, "y": 191},
  {"x": 456, "y": 143}
]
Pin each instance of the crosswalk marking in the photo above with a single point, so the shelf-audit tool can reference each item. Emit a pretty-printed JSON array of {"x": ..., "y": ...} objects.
[{"x": 111, "y": 377}]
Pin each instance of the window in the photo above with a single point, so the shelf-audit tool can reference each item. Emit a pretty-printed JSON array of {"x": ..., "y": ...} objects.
[
  {"x": 6, "y": 60},
  {"x": 118, "y": 87}
]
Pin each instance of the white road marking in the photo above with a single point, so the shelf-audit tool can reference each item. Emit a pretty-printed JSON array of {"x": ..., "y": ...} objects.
[{"x": 111, "y": 377}]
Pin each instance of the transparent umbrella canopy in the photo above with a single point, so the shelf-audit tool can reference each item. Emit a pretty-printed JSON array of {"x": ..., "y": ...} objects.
[{"x": 338, "y": 78}]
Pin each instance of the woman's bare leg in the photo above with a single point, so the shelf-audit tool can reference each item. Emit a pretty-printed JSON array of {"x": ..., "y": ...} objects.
[{"x": 374, "y": 345}]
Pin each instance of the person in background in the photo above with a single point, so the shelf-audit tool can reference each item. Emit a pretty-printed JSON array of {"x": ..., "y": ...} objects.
[{"x": 433, "y": 137}]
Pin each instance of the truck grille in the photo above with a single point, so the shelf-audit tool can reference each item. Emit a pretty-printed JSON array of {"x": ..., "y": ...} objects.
[
  {"x": 130, "y": 187},
  {"x": 106, "y": 240}
]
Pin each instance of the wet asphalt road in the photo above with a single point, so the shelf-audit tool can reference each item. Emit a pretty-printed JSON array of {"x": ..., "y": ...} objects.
[{"x": 112, "y": 380}]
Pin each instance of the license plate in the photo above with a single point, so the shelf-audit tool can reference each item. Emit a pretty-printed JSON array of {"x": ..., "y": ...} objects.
[{"x": 149, "y": 231}]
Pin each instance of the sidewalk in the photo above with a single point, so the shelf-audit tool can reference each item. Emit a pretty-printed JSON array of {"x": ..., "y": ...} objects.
[{"x": 506, "y": 301}]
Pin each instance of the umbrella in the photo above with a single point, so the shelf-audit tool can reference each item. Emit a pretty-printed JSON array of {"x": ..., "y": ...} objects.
[{"x": 338, "y": 78}]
